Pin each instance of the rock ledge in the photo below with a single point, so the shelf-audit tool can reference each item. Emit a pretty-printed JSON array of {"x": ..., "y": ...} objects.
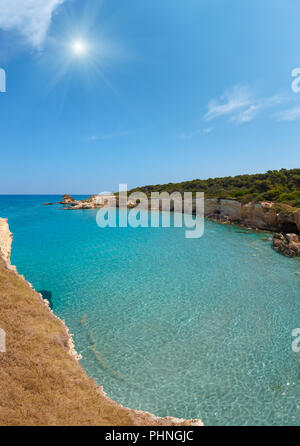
[{"x": 287, "y": 244}]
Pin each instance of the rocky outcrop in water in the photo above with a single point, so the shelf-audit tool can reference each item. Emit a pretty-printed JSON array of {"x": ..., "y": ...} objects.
[
  {"x": 93, "y": 202},
  {"x": 288, "y": 244},
  {"x": 67, "y": 199}
]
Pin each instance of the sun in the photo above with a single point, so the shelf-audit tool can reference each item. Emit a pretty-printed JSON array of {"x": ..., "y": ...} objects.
[{"x": 79, "y": 47}]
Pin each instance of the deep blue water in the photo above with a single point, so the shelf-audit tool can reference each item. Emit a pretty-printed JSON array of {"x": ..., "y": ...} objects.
[{"x": 175, "y": 326}]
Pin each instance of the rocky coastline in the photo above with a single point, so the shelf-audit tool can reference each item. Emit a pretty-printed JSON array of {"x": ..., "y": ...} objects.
[
  {"x": 287, "y": 244},
  {"x": 75, "y": 399}
]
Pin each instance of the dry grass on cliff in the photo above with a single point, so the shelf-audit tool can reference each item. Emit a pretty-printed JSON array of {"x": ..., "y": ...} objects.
[{"x": 40, "y": 383}]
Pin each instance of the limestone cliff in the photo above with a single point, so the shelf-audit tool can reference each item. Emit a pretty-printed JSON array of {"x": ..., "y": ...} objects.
[
  {"x": 263, "y": 215},
  {"x": 41, "y": 380},
  {"x": 5, "y": 240}
]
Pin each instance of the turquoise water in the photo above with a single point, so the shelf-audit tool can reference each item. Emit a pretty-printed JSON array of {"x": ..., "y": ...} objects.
[{"x": 188, "y": 328}]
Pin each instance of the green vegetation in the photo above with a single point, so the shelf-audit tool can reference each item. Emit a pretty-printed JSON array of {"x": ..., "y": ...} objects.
[
  {"x": 281, "y": 186},
  {"x": 41, "y": 384}
]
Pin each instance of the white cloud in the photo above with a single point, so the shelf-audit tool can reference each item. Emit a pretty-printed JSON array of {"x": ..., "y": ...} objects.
[
  {"x": 291, "y": 114},
  {"x": 30, "y": 18},
  {"x": 240, "y": 105},
  {"x": 259, "y": 105},
  {"x": 246, "y": 115}
]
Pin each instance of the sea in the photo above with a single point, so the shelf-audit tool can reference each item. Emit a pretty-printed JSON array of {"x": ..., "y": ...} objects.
[{"x": 190, "y": 328}]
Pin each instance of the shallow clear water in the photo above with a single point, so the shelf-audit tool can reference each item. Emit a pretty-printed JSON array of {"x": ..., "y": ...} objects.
[{"x": 188, "y": 328}]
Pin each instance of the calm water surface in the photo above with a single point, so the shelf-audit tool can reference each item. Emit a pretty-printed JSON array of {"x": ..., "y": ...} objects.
[{"x": 189, "y": 328}]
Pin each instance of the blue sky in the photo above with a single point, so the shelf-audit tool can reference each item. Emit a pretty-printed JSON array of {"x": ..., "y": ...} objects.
[{"x": 166, "y": 91}]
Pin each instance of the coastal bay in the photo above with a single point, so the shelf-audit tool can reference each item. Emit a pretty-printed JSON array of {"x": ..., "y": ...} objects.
[
  {"x": 39, "y": 365},
  {"x": 197, "y": 329}
]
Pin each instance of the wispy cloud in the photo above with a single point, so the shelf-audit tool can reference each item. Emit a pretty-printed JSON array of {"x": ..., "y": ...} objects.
[
  {"x": 30, "y": 18},
  {"x": 292, "y": 114},
  {"x": 246, "y": 115},
  {"x": 233, "y": 100},
  {"x": 190, "y": 135},
  {"x": 207, "y": 130},
  {"x": 107, "y": 136},
  {"x": 240, "y": 104}
]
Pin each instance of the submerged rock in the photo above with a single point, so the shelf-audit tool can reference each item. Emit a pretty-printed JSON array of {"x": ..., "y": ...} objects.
[{"x": 287, "y": 244}]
